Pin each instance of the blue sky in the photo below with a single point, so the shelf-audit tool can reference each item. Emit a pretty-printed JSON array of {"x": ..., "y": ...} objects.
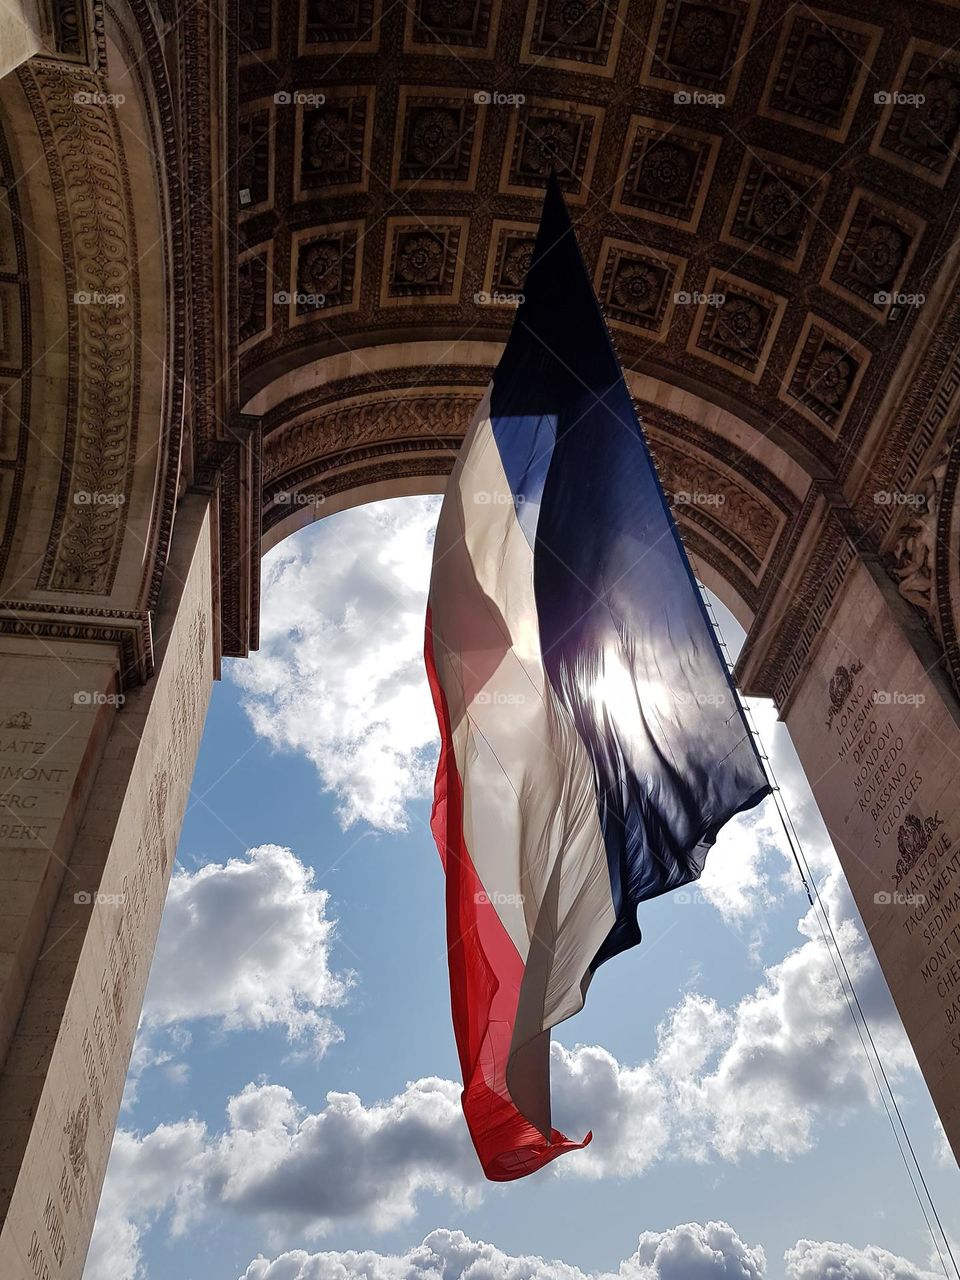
[{"x": 291, "y": 1111}]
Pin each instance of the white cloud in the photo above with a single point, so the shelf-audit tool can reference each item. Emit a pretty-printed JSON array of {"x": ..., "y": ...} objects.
[
  {"x": 691, "y": 1251},
  {"x": 694, "y": 1252},
  {"x": 339, "y": 675},
  {"x": 146, "y": 1176},
  {"x": 243, "y": 945},
  {"x": 296, "y": 1169},
  {"x": 346, "y": 1161},
  {"x": 444, "y": 1255},
  {"x": 736, "y": 878},
  {"x": 723, "y": 1083},
  {"x": 247, "y": 944},
  {"x": 942, "y": 1151},
  {"x": 789, "y": 1052},
  {"x": 809, "y": 1260},
  {"x": 626, "y": 1108}
]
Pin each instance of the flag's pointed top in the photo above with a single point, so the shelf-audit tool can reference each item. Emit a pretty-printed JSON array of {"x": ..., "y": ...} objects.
[{"x": 559, "y": 320}]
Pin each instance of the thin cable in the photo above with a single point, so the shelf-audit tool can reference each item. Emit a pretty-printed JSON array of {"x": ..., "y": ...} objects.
[{"x": 848, "y": 988}]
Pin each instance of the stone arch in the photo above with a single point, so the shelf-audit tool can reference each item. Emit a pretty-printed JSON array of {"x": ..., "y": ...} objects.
[
  {"x": 388, "y": 419},
  {"x": 756, "y": 257},
  {"x": 92, "y": 398}
]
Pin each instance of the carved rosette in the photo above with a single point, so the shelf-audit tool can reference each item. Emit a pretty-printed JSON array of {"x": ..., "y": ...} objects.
[
  {"x": 81, "y": 134},
  {"x": 913, "y": 838}
]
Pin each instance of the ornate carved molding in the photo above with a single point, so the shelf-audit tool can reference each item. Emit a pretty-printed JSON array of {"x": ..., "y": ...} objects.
[
  {"x": 792, "y": 615},
  {"x": 73, "y": 32},
  {"x": 130, "y": 631},
  {"x": 719, "y": 502},
  {"x": 16, "y": 381},
  {"x": 318, "y": 440},
  {"x": 947, "y": 564},
  {"x": 151, "y": 74},
  {"x": 80, "y": 133}
]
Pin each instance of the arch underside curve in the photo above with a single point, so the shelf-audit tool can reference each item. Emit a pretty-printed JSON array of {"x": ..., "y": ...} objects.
[{"x": 396, "y": 429}]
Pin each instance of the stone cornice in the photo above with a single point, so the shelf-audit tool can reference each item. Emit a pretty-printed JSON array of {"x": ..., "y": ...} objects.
[{"x": 130, "y": 632}]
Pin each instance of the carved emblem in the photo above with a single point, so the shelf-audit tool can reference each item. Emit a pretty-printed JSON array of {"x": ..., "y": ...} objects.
[
  {"x": 700, "y": 41},
  {"x": 517, "y": 261},
  {"x": 320, "y": 268},
  {"x": 22, "y": 720},
  {"x": 736, "y": 330},
  {"x": 420, "y": 259},
  {"x": 778, "y": 209},
  {"x": 913, "y": 838},
  {"x": 637, "y": 287},
  {"x": 840, "y": 688},
  {"x": 823, "y": 72},
  {"x": 548, "y": 144},
  {"x": 76, "y": 1128},
  {"x": 666, "y": 172},
  {"x": 831, "y": 373}
]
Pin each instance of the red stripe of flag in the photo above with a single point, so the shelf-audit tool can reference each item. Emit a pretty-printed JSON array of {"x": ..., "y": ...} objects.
[{"x": 485, "y": 976}]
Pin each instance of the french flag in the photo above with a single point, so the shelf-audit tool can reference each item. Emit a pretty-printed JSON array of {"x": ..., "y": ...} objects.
[{"x": 592, "y": 744}]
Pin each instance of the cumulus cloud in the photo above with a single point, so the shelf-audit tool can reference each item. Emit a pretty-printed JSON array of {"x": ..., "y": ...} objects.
[
  {"x": 737, "y": 878},
  {"x": 243, "y": 945},
  {"x": 444, "y": 1255},
  {"x": 942, "y": 1151},
  {"x": 339, "y": 674},
  {"x": 713, "y": 1251},
  {"x": 691, "y": 1251},
  {"x": 346, "y": 1161},
  {"x": 246, "y": 943},
  {"x": 147, "y": 1176},
  {"x": 294, "y": 1168},
  {"x": 626, "y": 1107},
  {"x": 810, "y": 1260},
  {"x": 722, "y": 1084},
  {"x": 788, "y": 1052}
]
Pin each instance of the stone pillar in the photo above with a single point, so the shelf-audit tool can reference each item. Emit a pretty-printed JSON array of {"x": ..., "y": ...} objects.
[
  {"x": 120, "y": 791},
  {"x": 860, "y": 685}
]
